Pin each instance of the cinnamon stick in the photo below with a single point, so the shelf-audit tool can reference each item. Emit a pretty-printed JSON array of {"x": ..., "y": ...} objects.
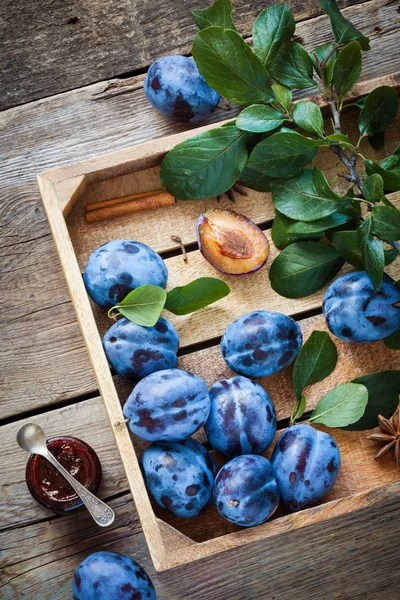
[
  {"x": 105, "y": 203},
  {"x": 140, "y": 204}
]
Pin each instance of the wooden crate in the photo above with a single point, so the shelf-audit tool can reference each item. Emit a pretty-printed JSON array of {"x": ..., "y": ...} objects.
[{"x": 172, "y": 541}]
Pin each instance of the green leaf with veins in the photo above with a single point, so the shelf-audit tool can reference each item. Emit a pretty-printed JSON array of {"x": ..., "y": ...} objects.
[
  {"x": 320, "y": 225},
  {"x": 315, "y": 361},
  {"x": 341, "y": 140},
  {"x": 284, "y": 154},
  {"x": 303, "y": 268},
  {"x": 391, "y": 177},
  {"x": 347, "y": 243},
  {"x": 298, "y": 409},
  {"x": 251, "y": 178},
  {"x": 385, "y": 223},
  {"x": 308, "y": 116},
  {"x": 377, "y": 140},
  {"x": 372, "y": 253},
  {"x": 343, "y": 30},
  {"x": 383, "y": 397},
  {"x": 342, "y": 406},
  {"x": 283, "y": 95},
  {"x": 392, "y": 161},
  {"x": 259, "y": 118},
  {"x": 393, "y": 341},
  {"x": 282, "y": 237},
  {"x": 379, "y": 111},
  {"x": 293, "y": 67},
  {"x": 347, "y": 68},
  {"x": 306, "y": 197},
  {"x": 273, "y": 26},
  {"x": 372, "y": 188},
  {"x": 322, "y": 53},
  {"x": 195, "y": 295},
  {"x": 229, "y": 66},
  {"x": 219, "y": 14},
  {"x": 142, "y": 306},
  {"x": 205, "y": 165}
]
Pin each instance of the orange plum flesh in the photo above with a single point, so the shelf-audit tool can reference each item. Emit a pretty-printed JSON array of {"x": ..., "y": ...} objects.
[{"x": 231, "y": 242}]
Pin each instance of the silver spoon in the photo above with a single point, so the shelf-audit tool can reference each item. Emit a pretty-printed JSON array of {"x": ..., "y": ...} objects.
[{"x": 32, "y": 439}]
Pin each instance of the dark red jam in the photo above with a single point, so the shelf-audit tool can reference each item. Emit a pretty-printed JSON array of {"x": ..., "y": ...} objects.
[{"x": 49, "y": 487}]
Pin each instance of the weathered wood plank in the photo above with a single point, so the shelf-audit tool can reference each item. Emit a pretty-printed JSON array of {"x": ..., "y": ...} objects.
[
  {"x": 98, "y": 40},
  {"x": 357, "y": 559}
]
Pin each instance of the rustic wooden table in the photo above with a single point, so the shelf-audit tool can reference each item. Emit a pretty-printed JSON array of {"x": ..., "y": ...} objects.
[{"x": 71, "y": 88}]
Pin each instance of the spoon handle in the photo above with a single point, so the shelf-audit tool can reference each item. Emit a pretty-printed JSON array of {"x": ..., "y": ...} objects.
[{"x": 101, "y": 513}]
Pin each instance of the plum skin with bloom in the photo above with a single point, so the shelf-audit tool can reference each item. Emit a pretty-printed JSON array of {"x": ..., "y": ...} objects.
[
  {"x": 306, "y": 463},
  {"x": 120, "y": 266},
  {"x": 111, "y": 576},
  {"x": 174, "y": 86},
  {"x": 261, "y": 343},
  {"x": 167, "y": 405},
  {"x": 242, "y": 417},
  {"x": 245, "y": 490},
  {"x": 180, "y": 476},
  {"x": 354, "y": 311},
  {"x": 135, "y": 351}
]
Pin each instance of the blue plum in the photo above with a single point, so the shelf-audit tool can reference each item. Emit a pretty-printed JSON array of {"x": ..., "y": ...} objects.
[
  {"x": 111, "y": 576},
  {"x": 135, "y": 351},
  {"x": 261, "y": 343},
  {"x": 242, "y": 417},
  {"x": 245, "y": 490},
  {"x": 355, "y": 312},
  {"x": 306, "y": 464},
  {"x": 118, "y": 267},
  {"x": 180, "y": 476},
  {"x": 176, "y": 89},
  {"x": 167, "y": 405}
]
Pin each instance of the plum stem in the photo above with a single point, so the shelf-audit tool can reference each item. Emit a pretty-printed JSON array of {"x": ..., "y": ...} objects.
[
  {"x": 178, "y": 240},
  {"x": 119, "y": 423}
]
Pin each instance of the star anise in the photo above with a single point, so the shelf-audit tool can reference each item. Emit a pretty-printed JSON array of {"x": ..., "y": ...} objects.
[{"x": 390, "y": 436}]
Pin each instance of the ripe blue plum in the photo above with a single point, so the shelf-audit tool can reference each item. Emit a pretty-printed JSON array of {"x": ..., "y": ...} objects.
[
  {"x": 306, "y": 464},
  {"x": 176, "y": 89},
  {"x": 242, "y": 417},
  {"x": 245, "y": 490},
  {"x": 261, "y": 343},
  {"x": 167, "y": 405},
  {"x": 135, "y": 351},
  {"x": 355, "y": 312},
  {"x": 180, "y": 476},
  {"x": 120, "y": 266},
  {"x": 111, "y": 576}
]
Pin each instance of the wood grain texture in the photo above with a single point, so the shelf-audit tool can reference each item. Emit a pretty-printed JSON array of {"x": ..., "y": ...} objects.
[{"x": 98, "y": 40}]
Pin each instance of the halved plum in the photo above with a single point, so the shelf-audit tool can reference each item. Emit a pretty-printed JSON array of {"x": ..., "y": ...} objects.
[{"x": 231, "y": 242}]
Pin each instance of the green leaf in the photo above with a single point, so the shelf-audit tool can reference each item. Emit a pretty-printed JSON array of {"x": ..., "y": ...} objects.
[
  {"x": 347, "y": 243},
  {"x": 391, "y": 177},
  {"x": 392, "y": 162},
  {"x": 322, "y": 52},
  {"x": 390, "y": 256},
  {"x": 393, "y": 341},
  {"x": 195, "y": 295},
  {"x": 343, "y": 405},
  {"x": 373, "y": 188},
  {"x": 372, "y": 253},
  {"x": 303, "y": 268},
  {"x": 142, "y": 306},
  {"x": 282, "y": 237},
  {"x": 377, "y": 140},
  {"x": 251, "y": 178},
  {"x": 219, "y": 14},
  {"x": 273, "y": 26},
  {"x": 385, "y": 223},
  {"x": 379, "y": 111},
  {"x": 283, "y": 154},
  {"x": 343, "y": 30},
  {"x": 306, "y": 197},
  {"x": 229, "y": 66},
  {"x": 333, "y": 220},
  {"x": 283, "y": 95},
  {"x": 259, "y": 118},
  {"x": 315, "y": 361},
  {"x": 308, "y": 116},
  {"x": 205, "y": 165},
  {"x": 301, "y": 407},
  {"x": 347, "y": 69},
  {"x": 383, "y": 397},
  {"x": 293, "y": 67},
  {"x": 341, "y": 140}
]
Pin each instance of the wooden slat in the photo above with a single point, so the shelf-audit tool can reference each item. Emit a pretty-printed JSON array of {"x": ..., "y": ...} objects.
[{"x": 98, "y": 40}]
